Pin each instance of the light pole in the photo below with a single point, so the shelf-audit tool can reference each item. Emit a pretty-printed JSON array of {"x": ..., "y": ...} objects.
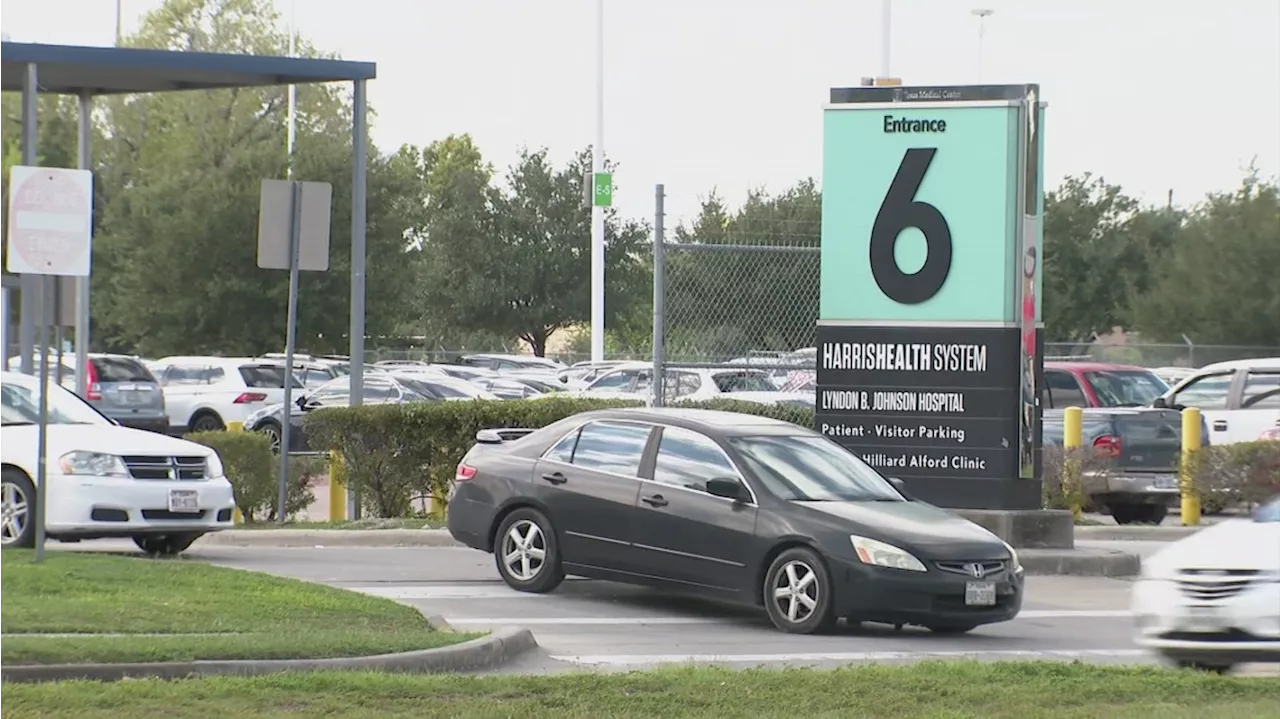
[
  {"x": 886, "y": 37},
  {"x": 597, "y": 211},
  {"x": 292, "y": 131},
  {"x": 982, "y": 15}
]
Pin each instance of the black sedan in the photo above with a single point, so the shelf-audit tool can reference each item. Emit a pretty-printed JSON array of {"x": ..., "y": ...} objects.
[{"x": 730, "y": 506}]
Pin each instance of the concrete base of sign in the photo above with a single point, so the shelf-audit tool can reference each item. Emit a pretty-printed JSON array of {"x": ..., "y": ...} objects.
[
  {"x": 1030, "y": 529},
  {"x": 994, "y": 494}
]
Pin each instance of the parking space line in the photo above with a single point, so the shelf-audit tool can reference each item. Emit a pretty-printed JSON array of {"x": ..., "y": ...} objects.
[
  {"x": 669, "y": 620},
  {"x": 647, "y": 659}
]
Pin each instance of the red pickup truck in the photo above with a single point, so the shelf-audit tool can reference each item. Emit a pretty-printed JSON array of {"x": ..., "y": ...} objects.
[{"x": 1099, "y": 384}]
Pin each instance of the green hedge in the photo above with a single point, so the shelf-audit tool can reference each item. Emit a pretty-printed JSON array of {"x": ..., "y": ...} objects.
[
  {"x": 396, "y": 455},
  {"x": 253, "y": 471}
]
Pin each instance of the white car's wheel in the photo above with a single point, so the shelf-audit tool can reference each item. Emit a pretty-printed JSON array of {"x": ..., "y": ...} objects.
[{"x": 17, "y": 510}]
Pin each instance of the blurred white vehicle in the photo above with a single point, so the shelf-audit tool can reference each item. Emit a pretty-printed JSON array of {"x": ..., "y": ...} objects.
[
  {"x": 104, "y": 480},
  {"x": 634, "y": 380},
  {"x": 1212, "y": 600},
  {"x": 203, "y": 394},
  {"x": 1173, "y": 375}
]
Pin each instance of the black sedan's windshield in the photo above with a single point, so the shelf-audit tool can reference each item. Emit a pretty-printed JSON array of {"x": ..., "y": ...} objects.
[{"x": 813, "y": 469}]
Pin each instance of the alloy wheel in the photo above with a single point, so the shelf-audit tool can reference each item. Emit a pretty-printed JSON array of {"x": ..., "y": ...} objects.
[
  {"x": 795, "y": 591},
  {"x": 273, "y": 436},
  {"x": 524, "y": 550},
  {"x": 14, "y": 513}
]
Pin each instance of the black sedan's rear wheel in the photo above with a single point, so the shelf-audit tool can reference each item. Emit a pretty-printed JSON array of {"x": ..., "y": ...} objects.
[
  {"x": 798, "y": 594},
  {"x": 526, "y": 552}
]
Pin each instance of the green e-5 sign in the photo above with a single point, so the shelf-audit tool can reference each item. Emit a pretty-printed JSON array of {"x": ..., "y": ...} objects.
[{"x": 919, "y": 211}]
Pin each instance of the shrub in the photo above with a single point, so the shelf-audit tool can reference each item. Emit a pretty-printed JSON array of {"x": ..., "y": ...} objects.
[{"x": 253, "y": 471}]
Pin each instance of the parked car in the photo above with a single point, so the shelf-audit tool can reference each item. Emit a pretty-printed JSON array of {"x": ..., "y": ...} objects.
[
  {"x": 119, "y": 386},
  {"x": 1173, "y": 375},
  {"x": 503, "y": 362},
  {"x": 633, "y": 380},
  {"x": 1239, "y": 399},
  {"x": 310, "y": 371},
  {"x": 103, "y": 479},
  {"x": 1099, "y": 384},
  {"x": 1143, "y": 447},
  {"x": 1212, "y": 600},
  {"x": 731, "y": 506},
  {"x": 378, "y": 388},
  {"x": 203, "y": 394}
]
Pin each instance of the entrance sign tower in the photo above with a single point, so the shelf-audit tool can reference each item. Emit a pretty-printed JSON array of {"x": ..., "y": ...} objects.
[{"x": 929, "y": 347}]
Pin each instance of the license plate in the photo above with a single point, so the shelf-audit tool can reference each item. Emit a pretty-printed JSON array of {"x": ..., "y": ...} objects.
[
  {"x": 1203, "y": 619},
  {"x": 184, "y": 500},
  {"x": 1167, "y": 481},
  {"x": 980, "y": 594}
]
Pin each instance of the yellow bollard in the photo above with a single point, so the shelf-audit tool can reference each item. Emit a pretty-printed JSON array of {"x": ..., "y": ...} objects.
[
  {"x": 1190, "y": 446},
  {"x": 1072, "y": 440},
  {"x": 235, "y": 426},
  {"x": 337, "y": 488}
]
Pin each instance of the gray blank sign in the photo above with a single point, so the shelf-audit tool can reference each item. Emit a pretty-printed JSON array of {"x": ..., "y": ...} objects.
[{"x": 274, "y": 220}]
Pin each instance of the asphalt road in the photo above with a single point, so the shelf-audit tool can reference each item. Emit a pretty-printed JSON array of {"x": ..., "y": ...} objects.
[{"x": 589, "y": 625}]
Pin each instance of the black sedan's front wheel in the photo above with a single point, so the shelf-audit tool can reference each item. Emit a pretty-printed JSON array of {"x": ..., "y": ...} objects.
[
  {"x": 526, "y": 552},
  {"x": 797, "y": 592}
]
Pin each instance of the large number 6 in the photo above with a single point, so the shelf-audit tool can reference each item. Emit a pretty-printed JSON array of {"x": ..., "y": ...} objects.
[{"x": 900, "y": 211}]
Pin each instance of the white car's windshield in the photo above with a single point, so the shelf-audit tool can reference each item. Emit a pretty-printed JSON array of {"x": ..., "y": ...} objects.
[
  {"x": 812, "y": 469},
  {"x": 21, "y": 405}
]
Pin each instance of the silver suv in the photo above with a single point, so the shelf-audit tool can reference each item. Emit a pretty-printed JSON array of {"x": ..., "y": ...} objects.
[{"x": 123, "y": 389}]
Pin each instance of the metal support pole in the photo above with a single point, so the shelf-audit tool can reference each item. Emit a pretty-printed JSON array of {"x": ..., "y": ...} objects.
[
  {"x": 359, "y": 140},
  {"x": 31, "y": 286},
  {"x": 291, "y": 338},
  {"x": 85, "y": 153},
  {"x": 42, "y": 433},
  {"x": 597, "y": 213},
  {"x": 659, "y": 295},
  {"x": 886, "y": 37}
]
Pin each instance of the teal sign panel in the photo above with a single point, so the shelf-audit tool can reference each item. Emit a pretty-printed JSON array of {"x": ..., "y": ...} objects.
[{"x": 919, "y": 212}]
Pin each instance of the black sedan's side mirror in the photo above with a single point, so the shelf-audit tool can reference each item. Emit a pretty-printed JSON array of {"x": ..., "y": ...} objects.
[
  {"x": 727, "y": 487},
  {"x": 301, "y": 401}
]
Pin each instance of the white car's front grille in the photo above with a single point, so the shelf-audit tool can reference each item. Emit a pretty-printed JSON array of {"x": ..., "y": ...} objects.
[
  {"x": 1210, "y": 585},
  {"x": 180, "y": 468}
]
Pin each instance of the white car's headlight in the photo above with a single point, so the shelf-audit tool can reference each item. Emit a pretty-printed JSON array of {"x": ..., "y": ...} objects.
[
  {"x": 213, "y": 466},
  {"x": 1015, "y": 564},
  {"x": 879, "y": 554},
  {"x": 93, "y": 464}
]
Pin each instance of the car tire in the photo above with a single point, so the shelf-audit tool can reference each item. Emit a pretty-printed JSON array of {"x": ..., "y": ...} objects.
[
  {"x": 798, "y": 592},
  {"x": 274, "y": 435},
  {"x": 527, "y": 552},
  {"x": 1204, "y": 667},
  {"x": 952, "y": 629},
  {"x": 19, "y": 502},
  {"x": 207, "y": 422},
  {"x": 1139, "y": 513},
  {"x": 166, "y": 545}
]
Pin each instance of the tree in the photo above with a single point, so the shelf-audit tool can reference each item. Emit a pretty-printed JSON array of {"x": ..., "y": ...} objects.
[
  {"x": 1218, "y": 283},
  {"x": 516, "y": 261},
  {"x": 728, "y": 302},
  {"x": 175, "y": 265},
  {"x": 1098, "y": 244}
]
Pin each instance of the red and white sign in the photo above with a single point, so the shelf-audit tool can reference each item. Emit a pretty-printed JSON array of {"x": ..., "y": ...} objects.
[{"x": 50, "y": 221}]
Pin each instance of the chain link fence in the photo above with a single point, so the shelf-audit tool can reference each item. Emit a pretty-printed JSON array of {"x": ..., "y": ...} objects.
[
  {"x": 736, "y": 288},
  {"x": 1187, "y": 355}
]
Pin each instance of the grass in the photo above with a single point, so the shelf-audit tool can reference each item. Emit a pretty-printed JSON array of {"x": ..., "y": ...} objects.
[
  {"x": 238, "y": 615},
  {"x": 937, "y": 690},
  {"x": 394, "y": 523}
]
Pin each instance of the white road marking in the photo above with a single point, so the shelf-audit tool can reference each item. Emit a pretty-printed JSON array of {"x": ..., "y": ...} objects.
[
  {"x": 656, "y": 621},
  {"x": 647, "y": 659}
]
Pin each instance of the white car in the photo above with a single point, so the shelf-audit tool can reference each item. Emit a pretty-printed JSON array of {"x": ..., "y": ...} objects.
[
  {"x": 633, "y": 380},
  {"x": 1212, "y": 600},
  {"x": 1239, "y": 400},
  {"x": 104, "y": 480},
  {"x": 203, "y": 394}
]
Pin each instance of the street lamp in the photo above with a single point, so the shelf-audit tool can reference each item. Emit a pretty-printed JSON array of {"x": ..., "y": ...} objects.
[{"x": 982, "y": 14}]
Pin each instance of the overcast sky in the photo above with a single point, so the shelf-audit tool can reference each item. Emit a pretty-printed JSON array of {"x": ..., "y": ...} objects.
[{"x": 1155, "y": 95}]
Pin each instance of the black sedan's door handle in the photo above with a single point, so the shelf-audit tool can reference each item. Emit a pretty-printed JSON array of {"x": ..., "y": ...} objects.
[
  {"x": 555, "y": 478},
  {"x": 655, "y": 500},
  {"x": 1220, "y": 425}
]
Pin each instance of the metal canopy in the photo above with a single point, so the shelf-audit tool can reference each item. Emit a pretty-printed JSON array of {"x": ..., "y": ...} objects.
[{"x": 77, "y": 70}]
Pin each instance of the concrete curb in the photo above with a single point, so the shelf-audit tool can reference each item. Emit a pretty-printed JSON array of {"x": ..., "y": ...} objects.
[
  {"x": 1136, "y": 533},
  {"x": 499, "y": 647},
  {"x": 1080, "y": 562},
  {"x": 330, "y": 538}
]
